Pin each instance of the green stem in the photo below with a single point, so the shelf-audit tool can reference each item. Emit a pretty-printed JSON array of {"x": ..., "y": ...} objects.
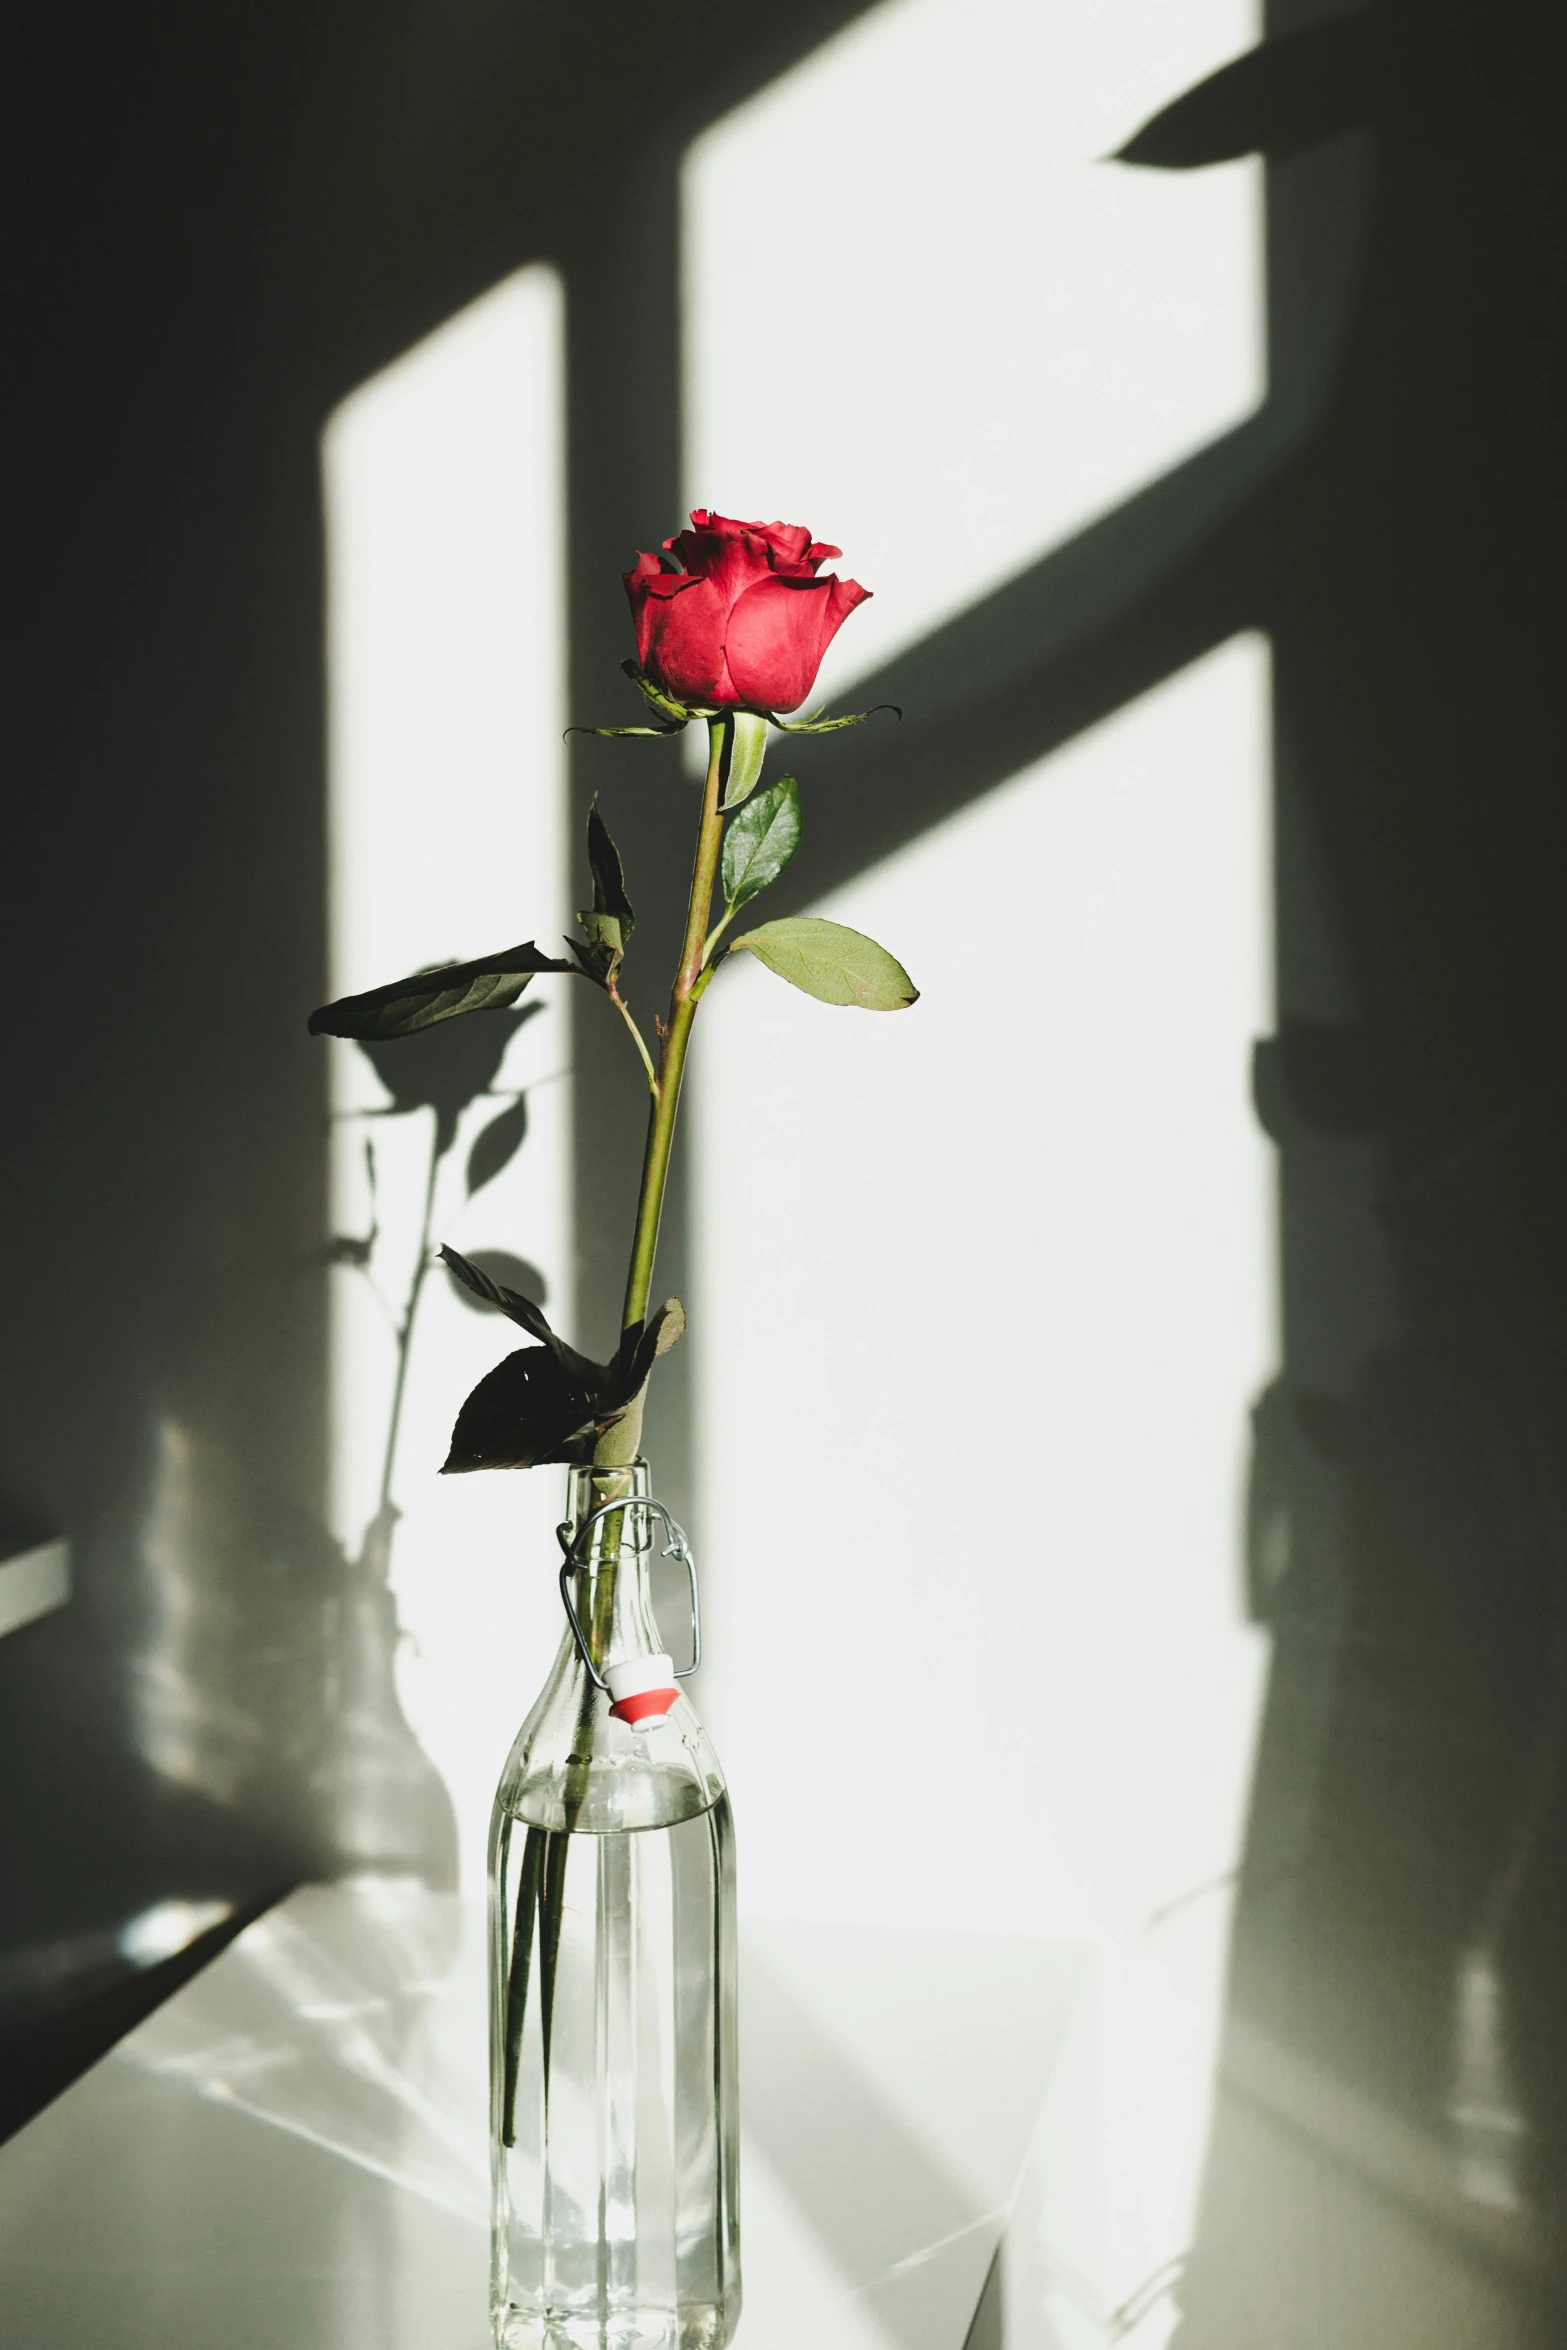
[
  {"x": 620, "y": 1443},
  {"x": 715, "y": 934},
  {"x": 624, "y": 1009},
  {"x": 677, "y": 1036},
  {"x": 529, "y": 1879}
]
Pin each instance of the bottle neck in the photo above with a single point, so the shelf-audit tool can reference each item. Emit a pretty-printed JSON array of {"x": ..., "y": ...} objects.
[{"x": 613, "y": 1549}]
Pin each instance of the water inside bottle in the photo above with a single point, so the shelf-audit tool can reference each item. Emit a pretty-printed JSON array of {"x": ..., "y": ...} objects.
[{"x": 613, "y": 2083}]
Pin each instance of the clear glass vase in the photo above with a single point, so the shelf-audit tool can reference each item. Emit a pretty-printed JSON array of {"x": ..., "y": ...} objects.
[{"x": 614, "y": 2111}]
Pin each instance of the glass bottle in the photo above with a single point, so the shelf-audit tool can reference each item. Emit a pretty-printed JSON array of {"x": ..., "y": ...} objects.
[{"x": 614, "y": 2112}]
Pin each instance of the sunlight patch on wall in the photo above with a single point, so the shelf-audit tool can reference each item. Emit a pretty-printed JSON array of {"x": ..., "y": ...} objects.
[
  {"x": 923, "y": 315},
  {"x": 446, "y": 648},
  {"x": 975, "y": 1414},
  {"x": 1000, "y": 1348}
]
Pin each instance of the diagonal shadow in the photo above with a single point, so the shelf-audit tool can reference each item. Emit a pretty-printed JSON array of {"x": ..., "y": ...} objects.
[{"x": 1126, "y": 603}]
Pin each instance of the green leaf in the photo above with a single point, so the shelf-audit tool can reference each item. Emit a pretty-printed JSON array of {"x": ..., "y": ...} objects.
[
  {"x": 607, "y": 925},
  {"x": 501, "y": 1266},
  {"x": 547, "y": 1402},
  {"x": 747, "y": 749},
  {"x": 528, "y": 1410},
  {"x": 760, "y": 841},
  {"x": 643, "y": 1342},
  {"x": 831, "y": 962},
  {"x": 484, "y": 1285},
  {"x": 601, "y": 956},
  {"x": 609, "y": 880},
  {"x": 666, "y": 1329},
  {"x": 605, "y": 936},
  {"x": 529, "y": 1317},
  {"x": 406, "y": 1005},
  {"x": 498, "y": 1145}
]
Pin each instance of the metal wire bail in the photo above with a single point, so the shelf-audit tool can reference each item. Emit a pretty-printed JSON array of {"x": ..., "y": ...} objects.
[{"x": 677, "y": 1547}]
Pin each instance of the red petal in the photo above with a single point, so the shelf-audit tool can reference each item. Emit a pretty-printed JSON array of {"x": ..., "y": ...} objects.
[
  {"x": 767, "y": 653},
  {"x": 847, "y": 595},
  {"x": 661, "y": 583},
  {"x": 777, "y": 633},
  {"x": 789, "y": 544},
  {"x": 730, "y": 554},
  {"x": 680, "y": 634}
]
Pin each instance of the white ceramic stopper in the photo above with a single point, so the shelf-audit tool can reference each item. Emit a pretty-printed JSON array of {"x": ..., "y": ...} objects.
[{"x": 642, "y": 1687}]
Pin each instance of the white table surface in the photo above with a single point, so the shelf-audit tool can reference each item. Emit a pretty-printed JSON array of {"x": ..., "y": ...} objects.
[{"x": 290, "y": 2154}]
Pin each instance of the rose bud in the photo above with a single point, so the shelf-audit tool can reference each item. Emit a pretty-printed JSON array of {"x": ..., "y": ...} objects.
[{"x": 746, "y": 621}]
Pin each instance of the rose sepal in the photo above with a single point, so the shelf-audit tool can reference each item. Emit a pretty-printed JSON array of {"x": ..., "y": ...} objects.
[
  {"x": 678, "y": 713},
  {"x": 818, "y": 724},
  {"x": 672, "y": 715}
]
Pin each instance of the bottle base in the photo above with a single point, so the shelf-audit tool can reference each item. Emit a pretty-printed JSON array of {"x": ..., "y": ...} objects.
[{"x": 698, "y": 2326}]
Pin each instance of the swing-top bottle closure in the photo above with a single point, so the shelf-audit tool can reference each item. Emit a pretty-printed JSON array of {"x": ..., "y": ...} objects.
[{"x": 641, "y": 1689}]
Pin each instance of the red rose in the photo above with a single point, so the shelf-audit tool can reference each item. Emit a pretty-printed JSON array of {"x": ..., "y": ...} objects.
[{"x": 747, "y": 621}]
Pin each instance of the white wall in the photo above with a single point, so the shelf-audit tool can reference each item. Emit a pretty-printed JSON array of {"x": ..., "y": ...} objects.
[
  {"x": 986, "y": 1290},
  {"x": 924, "y": 316}
]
